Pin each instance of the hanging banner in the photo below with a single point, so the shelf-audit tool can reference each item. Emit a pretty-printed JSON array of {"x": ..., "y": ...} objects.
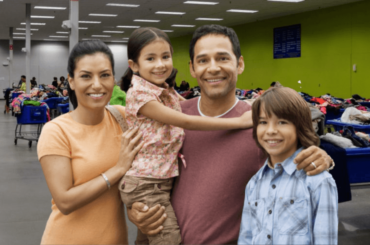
[{"x": 287, "y": 42}]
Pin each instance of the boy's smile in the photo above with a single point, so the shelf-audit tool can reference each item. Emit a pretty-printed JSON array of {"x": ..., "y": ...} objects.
[{"x": 277, "y": 136}]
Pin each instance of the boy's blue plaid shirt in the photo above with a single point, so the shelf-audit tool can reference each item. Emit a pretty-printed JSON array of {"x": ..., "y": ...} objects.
[{"x": 285, "y": 206}]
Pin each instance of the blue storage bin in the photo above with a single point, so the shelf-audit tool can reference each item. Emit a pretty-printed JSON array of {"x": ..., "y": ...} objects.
[
  {"x": 367, "y": 104},
  {"x": 330, "y": 115},
  {"x": 63, "y": 108},
  {"x": 32, "y": 115},
  {"x": 53, "y": 102},
  {"x": 15, "y": 95},
  {"x": 338, "y": 125},
  {"x": 358, "y": 164}
]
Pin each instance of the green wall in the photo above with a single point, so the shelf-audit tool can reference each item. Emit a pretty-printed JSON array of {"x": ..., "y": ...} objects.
[{"x": 333, "y": 39}]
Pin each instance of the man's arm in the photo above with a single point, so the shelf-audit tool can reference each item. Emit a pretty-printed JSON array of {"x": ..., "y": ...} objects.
[
  {"x": 148, "y": 220},
  {"x": 316, "y": 155}
]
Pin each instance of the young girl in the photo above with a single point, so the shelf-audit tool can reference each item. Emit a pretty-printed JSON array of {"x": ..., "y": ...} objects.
[
  {"x": 283, "y": 205},
  {"x": 153, "y": 105}
]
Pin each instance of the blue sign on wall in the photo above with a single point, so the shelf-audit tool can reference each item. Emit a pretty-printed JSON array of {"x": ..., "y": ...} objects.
[{"x": 287, "y": 42}]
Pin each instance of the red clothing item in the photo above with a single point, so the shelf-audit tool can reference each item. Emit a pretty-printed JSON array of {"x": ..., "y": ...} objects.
[
  {"x": 208, "y": 195},
  {"x": 318, "y": 100}
]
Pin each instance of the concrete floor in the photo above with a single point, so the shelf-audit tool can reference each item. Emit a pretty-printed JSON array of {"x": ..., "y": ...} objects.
[{"x": 25, "y": 198}]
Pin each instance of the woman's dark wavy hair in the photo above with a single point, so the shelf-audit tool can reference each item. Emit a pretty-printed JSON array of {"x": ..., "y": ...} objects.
[
  {"x": 81, "y": 49},
  {"x": 137, "y": 41},
  {"x": 287, "y": 104}
]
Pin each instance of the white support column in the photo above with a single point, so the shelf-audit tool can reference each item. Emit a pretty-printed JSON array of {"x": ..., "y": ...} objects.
[
  {"x": 73, "y": 36},
  {"x": 28, "y": 47},
  {"x": 10, "y": 56}
]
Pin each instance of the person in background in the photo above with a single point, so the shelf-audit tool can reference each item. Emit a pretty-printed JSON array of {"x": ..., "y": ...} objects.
[
  {"x": 55, "y": 82},
  {"x": 184, "y": 86},
  {"x": 283, "y": 205},
  {"x": 23, "y": 85},
  {"x": 23, "y": 79},
  {"x": 61, "y": 82},
  {"x": 33, "y": 82},
  {"x": 84, "y": 153}
]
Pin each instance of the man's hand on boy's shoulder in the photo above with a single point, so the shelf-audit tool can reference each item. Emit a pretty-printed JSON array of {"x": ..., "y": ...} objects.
[
  {"x": 148, "y": 220},
  {"x": 313, "y": 160}
]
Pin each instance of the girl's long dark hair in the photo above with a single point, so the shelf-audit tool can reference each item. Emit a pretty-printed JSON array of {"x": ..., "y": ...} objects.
[
  {"x": 137, "y": 41},
  {"x": 81, "y": 49}
]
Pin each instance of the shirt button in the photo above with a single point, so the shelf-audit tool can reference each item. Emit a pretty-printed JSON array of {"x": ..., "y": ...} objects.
[
  {"x": 273, "y": 186},
  {"x": 270, "y": 211},
  {"x": 268, "y": 236},
  {"x": 291, "y": 201},
  {"x": 256, "y": 204}
]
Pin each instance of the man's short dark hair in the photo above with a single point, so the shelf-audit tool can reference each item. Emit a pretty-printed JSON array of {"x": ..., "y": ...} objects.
[
  {"x": 216, "y": 30},
  {"x": 23, "y": 76}
]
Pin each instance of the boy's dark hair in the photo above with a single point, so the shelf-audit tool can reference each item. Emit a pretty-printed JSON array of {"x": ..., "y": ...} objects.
[
  {"x": 287, "y": 104},
  {"x": 55, "y": 78},
  {"x": 216, "y": 30},
  {"x": 23, "y": 76},
  {"x": 62, "y": 78},
  {"x": 137, "y": 41},
  {"x": 81, "y": 49}
]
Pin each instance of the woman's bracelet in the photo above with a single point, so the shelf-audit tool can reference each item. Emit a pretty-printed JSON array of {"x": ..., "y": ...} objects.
[{"x": 106, "y": 180}]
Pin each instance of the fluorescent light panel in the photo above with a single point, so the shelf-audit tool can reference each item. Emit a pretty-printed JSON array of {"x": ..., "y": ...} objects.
[
  {"x": 118, "y": 41},
  {"x": 23, "y": 29},
  {"x": 59, "y": 36},
  {"x": 113, "y": 31},
  {"x": 49, "y": 7},
  {"x": 167, "y": 30},
  {"x": 83, "y": 28},
  {"x": 139, "y": 20},
  {"x": 209, "y": 19},
  {"x": 287, "y": 1},
  {"x": 100, "y": 35},
  {"x": 123, "y": 5},
  {"x": 104, "y": 15},
  {"x": 128, "y": 26},
  {"x": 19, "y": 37},
  {"x": 126, "y": 38},
  {"x": 42, "y": 17},
  {"x": 201, "y": 2},
  {"x": 172, "y": 13},
  {"x": 62, "y": 32},
  {"x": 175, "y": 25},
  {"x": 242, "y": 11},
  {"x": 17, "y": 33},
  {"x": 89, "y": 22},
  {"x": 34, "y": 24}
]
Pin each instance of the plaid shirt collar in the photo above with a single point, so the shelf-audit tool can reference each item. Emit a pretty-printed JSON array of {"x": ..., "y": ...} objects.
[{"x": 288, "y": 165}]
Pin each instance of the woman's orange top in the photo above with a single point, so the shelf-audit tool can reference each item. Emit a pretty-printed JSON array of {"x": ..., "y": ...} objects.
[{"x": 92, "y": 150}]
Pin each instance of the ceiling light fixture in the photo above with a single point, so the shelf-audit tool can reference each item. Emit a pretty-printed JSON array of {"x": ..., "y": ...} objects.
[
  {"x": 42, "y": 17},
  {"x": 59, "y": 36},
  {"x": 89, "y": 22},
  {"x": 100, "y": 35},
  {"x": 139, "y": 20},
  {"x": 83, "y": 28},
  {"x": 118, "y": 41},
  {"x": 19, "y": 37},
  {"x": 17, "y": 33},
  {"x": 201, "y": 2},
  {"x": 242, "y": 11},
  {"x": 287, "y": 1},
  {"x": 104, "y": 15},
  {"x": 167, "y": 30},
  {"x": 123, "y": 5},
  {"x": 62, "y": 32},
  {"x": 175, "y": 25},
  {"x": 23, "y": 29},
  {"x": 172, "y": 13},
  {"x": 49, "y": 7},
  {"x": 48, "y": 39},
  {"x": 128, "y": 26},
  {"x": 113, "y": 31},
  {"x": 210, "y": 19},
  {"x": 126, "y": 38},
  {"x": 34, "y": 24}
]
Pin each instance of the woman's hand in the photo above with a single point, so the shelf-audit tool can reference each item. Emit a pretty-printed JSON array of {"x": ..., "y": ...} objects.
[
  {"x": 246, "y": 120},
  {"x": 129, "y": 148}
]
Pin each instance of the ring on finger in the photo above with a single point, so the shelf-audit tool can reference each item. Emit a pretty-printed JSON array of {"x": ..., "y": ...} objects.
[{"x": 313, "y": 164}]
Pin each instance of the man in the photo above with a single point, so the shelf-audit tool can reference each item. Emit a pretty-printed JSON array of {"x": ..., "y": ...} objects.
[
  {"x": 55, "y": 82},
  {"x": 209, "y": 193},
  {"x": 23, "y": 79}
]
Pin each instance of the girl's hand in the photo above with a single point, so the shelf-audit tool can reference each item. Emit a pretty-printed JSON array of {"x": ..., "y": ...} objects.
[
  {"x": 246, "y": 120},
  {"x": 129, "y": 148}
]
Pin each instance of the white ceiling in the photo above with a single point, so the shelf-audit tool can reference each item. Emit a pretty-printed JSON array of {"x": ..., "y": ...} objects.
[{"x": 12, "y": 13}]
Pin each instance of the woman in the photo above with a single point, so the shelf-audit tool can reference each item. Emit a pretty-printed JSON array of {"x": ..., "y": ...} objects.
[{"x": 84, "y": 154}]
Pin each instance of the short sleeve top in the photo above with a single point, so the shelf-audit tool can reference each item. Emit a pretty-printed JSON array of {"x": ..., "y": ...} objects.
[{"x": 162, "y": 143}]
